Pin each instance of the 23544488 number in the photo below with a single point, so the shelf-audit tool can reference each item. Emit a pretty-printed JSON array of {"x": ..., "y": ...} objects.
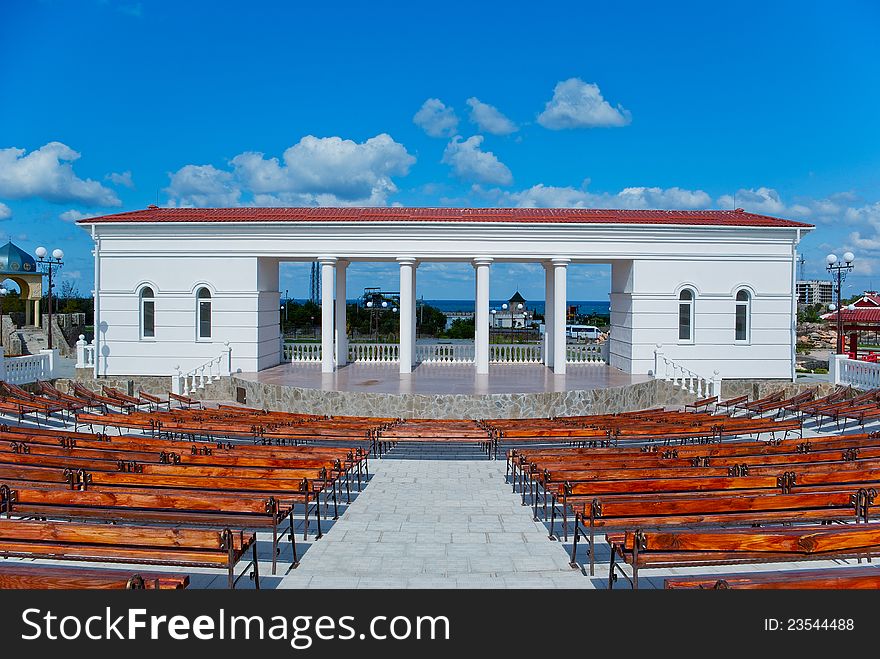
[{"x": 808, "y": 624}]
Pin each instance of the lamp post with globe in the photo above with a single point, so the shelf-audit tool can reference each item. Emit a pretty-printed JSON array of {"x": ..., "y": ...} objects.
[
  {"x": 49, "y": 264},
  {"x": 3, "y": 292},
  {"x": 841, "y": 270}
]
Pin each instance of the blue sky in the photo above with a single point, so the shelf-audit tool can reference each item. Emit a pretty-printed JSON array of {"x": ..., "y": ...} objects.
[{"x": 110, "y": 105}]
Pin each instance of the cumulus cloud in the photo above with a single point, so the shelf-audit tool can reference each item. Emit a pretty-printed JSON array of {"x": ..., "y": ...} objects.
[
  {"x": 74, "y": 215},
  {"x": 203, "y": 185},
  {"x": 579, "y": 104},
  {"x": 316, "y": 171},
  {"x": 488, "y": 119},
  {"x": 436, "y": 118},
  {"x": 760, "y": 200},
  {"x": 123, "y": 179},
  {"x": 545, "y": 196},
  {"x": 471, "y": 163},
  {"x": 5, "y": 212},
  {"x": 47, "y": 173}
]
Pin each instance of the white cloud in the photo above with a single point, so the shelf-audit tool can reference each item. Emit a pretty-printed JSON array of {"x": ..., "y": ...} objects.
[
  {"x": 314, "y": 172},
  {"x": 74, "y": 215},
  {"x": 123, "y": 179},
  {"x": 578, "y": 104},
  {"x": 488, "y": 119},
  {"x": 202, "y": 185},
  {"x": 436, "y": 119},
  {"x": 469, "y": 162},
  {"x": 545, "y": 196},
  {"x": 760, "y": 200},
  {"x": 5, "y": 212},
  {"x": 47, "y": 173}
]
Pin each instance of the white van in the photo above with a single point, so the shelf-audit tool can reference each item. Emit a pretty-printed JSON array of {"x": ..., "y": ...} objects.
[{"x": 590, "y": 332}]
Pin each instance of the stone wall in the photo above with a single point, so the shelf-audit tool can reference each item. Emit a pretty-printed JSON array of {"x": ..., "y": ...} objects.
[{"x": 654, "y": 393}]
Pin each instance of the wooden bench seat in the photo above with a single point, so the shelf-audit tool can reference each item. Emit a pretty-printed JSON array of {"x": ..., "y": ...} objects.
[
  {"x": 150, "y": 545},
  {"x": 854, "y": 578},
  {"x": 656, "y": 549},
  {"x": 20, "y": 576}
]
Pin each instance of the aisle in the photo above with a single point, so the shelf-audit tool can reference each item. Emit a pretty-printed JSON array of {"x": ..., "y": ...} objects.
[{"x": 436, "y": 524}]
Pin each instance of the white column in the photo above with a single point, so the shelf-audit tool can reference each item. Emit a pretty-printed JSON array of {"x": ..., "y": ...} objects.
[
  {"x": 328, "y": 266},
  {"x": 406, "y": 312},
  {"x": 415, "y": 267},
  {"x": 481, "y": 316},
  {"x": 341, "y": 334},
  {"x": 560, "y": 307},
  {"x": 548, "y": 315}
]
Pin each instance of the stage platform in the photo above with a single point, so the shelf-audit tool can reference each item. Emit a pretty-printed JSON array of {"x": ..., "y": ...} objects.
[
  {"x": 449, "y": 391},
  {"x": 456, "y": 379}
]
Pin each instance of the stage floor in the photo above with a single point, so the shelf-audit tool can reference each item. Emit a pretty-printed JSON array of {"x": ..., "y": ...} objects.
[{"x": 445, "y": 378}]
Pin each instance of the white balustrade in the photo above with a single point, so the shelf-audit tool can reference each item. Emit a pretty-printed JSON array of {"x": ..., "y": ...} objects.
[
  {"x": 445, "y": 353},
  {"x": 303, "y": 352},
  {"x": 202, "y": 376},
  {"x": 373, "y": 352},
  {"x": 856, "y": 373},
  {"x": 585, "y": 353},
  {"x": 684, "y": 378},
  {"x": 27, "y": 368},
  {"x": 85, "y": 353},
  {"x": 516, "y": 353}
]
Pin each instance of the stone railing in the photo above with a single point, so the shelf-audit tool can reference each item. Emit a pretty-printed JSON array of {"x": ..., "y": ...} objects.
[
  {"x": 28, "y": 368},
  {"x": 516, "y": 353},
  {"x": 854, "y": 372},
  {"x": 445, "y": 353},
  {"x": 204, "y": 375},
  {"x": 373, "y": 352},
  {"x": 587, "y": 353},
  {"x": 85, "y": 353},
  {"x": 684, "y": 378}
]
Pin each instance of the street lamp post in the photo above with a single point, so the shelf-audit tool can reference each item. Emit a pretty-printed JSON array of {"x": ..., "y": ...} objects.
[
  {"x": 840, "y": 270},
  {"x": 49, "y": 265},
  {"x": 3, "y": 292}
]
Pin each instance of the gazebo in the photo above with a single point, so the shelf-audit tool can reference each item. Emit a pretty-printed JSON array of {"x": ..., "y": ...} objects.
[{"x": 20, "y": 267}]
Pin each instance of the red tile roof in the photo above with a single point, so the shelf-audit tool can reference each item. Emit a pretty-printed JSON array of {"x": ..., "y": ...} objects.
[
  {"x": 857, "y": 315},
  {"x": 400, "y": 214}
]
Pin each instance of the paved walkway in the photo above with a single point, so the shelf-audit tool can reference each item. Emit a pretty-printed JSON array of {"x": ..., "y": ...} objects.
[{"x": 436, "y": 524}]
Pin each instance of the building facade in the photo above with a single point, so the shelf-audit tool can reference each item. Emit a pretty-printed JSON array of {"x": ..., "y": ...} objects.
[
  {"x": 176, "y": 287},
  {"x": 815, "y": 291}
]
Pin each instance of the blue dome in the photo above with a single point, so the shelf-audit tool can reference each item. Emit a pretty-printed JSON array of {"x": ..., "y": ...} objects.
[{"x": 15, "y": 261}]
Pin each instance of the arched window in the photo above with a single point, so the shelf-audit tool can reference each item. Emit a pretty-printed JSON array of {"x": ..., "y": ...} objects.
[
  {"x": 204, "y": 310},
  {"x": 743, "y": 323},
  {"x": 148, "y": 313},
  {"x": 686, "y": 315}
]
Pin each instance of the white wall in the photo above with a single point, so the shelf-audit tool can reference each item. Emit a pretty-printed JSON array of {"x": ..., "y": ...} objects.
[{"x": 245, "y": 302}]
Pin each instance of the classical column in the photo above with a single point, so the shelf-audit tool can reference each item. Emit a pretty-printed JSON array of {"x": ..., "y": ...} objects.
[
  {"x": 414, "y": 335},
  {"x": 481, "y": 316},
  {"x": 560, "y": 307},
  {"x": 341, "y": 333},
  {"x": 38, "y": 317},
  {"x": 407, "y": 313},
  {"x": 328, "y": 266},
  {"x": 548, "y": 314}
]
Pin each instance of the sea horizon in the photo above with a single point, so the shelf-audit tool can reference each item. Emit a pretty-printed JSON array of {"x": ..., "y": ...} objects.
[{"x": 467, "y": 306}]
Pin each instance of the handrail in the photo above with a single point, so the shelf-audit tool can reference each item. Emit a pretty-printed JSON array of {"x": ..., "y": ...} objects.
[
  {"x": 202, "y": 376},
  {"x": 684, "y": 378}
]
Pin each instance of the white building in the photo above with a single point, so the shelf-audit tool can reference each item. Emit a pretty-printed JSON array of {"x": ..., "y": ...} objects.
[
  {"x": 173, "y": 285},
  {"x": 815, "y": 291}
]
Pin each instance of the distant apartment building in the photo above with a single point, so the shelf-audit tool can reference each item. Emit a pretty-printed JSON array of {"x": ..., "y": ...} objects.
[{"x": 815, "y": 291}]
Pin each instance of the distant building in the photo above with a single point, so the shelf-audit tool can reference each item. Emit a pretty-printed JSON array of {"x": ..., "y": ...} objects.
[
  {"x": 515, "y": 316},
  {"x": 815, "y": 291}
]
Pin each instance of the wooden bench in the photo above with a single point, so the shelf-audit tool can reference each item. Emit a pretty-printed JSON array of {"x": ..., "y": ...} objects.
[
  {"x": 854, "y": 578},
  {"x": 183, "y": 400},
  {"x": 702, "y": 403},
  {"x": 125, "y": 506},
  {"x": 149, "y": 545},
  {"x": 657, "y": 549},
  {"x": 17, "y": 576}
]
